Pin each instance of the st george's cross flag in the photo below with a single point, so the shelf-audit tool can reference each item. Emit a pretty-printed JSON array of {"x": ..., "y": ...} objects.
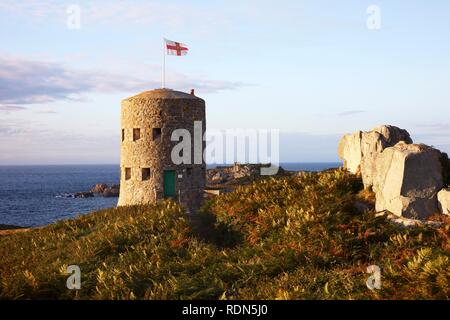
[{"x": 175, "y": 48}]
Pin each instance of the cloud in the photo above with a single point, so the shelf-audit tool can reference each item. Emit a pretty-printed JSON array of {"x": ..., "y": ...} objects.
[
  {"x": 10, "y": 108},
  {"x": 24, "y": 82},
  {"x": 35, "y": 141},
  {"x": 30, "y": 142},
  {"x": 47, "y": 111},
  {"x": 350, "y": 113}
]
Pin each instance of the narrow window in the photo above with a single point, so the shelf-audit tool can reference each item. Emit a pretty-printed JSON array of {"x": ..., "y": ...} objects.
[
  {"x": 156, "y": 133},
  {"x": 145, "y": 174},
  {"x": 123, "y": 135},
  {"x": 127, "y": 173},
  {"x": 136, "y": 134}
]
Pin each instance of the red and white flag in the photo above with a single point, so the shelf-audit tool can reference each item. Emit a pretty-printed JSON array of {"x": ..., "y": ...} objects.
[{"x": 175, "y": 48}]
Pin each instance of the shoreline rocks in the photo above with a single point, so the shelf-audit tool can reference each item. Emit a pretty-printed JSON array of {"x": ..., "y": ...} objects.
[
  {"x": 99, "y": 188},
  {"x": 227, "y": 174},
  {"x": 111, "y": 192},
  {"x": 103, "y": 190},
  {"x": 84, "y": 195}
]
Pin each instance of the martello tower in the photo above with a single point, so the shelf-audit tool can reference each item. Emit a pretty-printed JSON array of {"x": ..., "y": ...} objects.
[{"x": 148, "y": 172}]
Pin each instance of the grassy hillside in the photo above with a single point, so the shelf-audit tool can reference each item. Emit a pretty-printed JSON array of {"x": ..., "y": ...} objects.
[{"x": 283, "y": 238}]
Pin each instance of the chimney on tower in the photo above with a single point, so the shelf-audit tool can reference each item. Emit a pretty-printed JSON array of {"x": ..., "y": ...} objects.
[{"x": 193, "y": 92}]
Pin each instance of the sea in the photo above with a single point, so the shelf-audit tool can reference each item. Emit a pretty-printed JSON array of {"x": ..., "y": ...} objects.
[{"x": 33, "y": 196}]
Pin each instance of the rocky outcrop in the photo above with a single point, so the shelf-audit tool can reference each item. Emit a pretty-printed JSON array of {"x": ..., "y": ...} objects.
[
  {"x": 111, "y": 192},
  {"x": 223, "y": 175},
  {"x": 373, "y": 143},
  {"x": 103, "y": 190},
  {"x": 406, "y": 180},
  {"x": 99, "y": 188},
  {"x": 84, "y": 195},
  {"x": 350, "y": 151},
  {"x": 444, "y": 201},
  {"x": 359, "y": 150}
]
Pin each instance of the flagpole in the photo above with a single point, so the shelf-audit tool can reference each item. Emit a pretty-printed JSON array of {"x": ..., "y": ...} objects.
[{"x": 164, "y": 64}]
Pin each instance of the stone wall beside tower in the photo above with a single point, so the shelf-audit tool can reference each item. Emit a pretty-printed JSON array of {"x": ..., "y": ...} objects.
[{"x": 148, "y": 173}]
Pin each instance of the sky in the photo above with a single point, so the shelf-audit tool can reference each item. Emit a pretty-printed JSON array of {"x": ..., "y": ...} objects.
[{"x": 313, "y": 69}]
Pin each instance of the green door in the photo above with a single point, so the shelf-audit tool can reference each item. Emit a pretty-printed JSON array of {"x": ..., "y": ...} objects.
[{"x": 169, "y": 183}]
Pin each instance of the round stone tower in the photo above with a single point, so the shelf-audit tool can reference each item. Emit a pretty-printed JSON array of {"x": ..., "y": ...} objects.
[{"x": 148, "y": 172}]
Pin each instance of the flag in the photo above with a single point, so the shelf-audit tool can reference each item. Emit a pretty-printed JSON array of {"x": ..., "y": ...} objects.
[{"x": 175, "y": 48}]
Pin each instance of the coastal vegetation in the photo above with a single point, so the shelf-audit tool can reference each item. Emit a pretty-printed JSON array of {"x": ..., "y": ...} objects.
[{"x": 299, "y": 237}]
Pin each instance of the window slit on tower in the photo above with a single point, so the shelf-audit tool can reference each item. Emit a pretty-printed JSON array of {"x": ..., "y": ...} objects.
[
  {"x": 127, "y": 173},
  {"x": 145, "y": 174},
  {"x": 123, "y": 135},
  {"x": 156, "y": 133},
  {"x": 136, "y": 134}
]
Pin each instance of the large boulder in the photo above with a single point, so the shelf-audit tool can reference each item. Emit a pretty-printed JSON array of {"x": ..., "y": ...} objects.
[
  {"x": 359, "y": 150},
  {"x": 373, "y": 143},
  {"x": 407, "y": 180},
  {"x": 350, "y": 151},
  {"x": 444, "y": 201}
]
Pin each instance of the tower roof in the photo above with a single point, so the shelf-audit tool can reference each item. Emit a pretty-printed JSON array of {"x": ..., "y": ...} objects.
[{"x": 163, "y": 94}]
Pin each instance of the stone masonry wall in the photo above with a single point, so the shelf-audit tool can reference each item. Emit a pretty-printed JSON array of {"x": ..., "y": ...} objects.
[{"x": 168, "y": 110}]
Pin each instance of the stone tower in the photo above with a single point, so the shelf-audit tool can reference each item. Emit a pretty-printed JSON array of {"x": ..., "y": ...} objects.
[{"x": 148, "y": 172}]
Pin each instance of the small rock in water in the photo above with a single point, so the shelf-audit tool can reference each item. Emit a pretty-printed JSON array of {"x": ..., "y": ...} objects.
[
  {"x": 84, "y": 195},
  {"x": 65, "y": 195}
]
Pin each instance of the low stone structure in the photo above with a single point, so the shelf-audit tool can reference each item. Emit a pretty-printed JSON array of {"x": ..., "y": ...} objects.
[
  {"x": 359, "y": 150},
  {"x": 407, "y": 179},
  {"x": 444, "y": 201}
]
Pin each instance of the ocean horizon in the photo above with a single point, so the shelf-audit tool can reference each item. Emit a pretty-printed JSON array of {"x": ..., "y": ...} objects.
[{"x": 30, "y": 195}]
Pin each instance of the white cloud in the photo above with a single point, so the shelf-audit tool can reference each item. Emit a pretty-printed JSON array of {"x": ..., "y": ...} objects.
[
  {"x": 11, "y": 108},
  {"x": 350, "y": 113},
  {"x": 30, "y": 142},
  {"x": 34, "y": 82}
]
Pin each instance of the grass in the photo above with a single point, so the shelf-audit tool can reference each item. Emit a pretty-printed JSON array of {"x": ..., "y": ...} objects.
[{"x": 279, "y": 238}]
